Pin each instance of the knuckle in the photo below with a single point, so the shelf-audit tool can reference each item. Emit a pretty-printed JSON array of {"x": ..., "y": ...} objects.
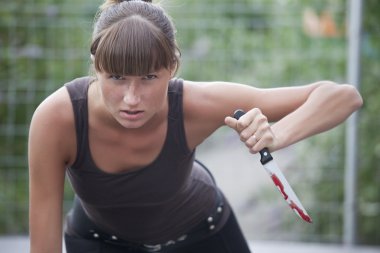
[
  {"x": 257, "y": 110},
  {"x": 250, "y": 142},
  {"x": 241, "y": 124},
  {"x": 254, "y": 150},
  {"x": 267, "y": 140},
  {"x": 266, "y": 136},
  {"x": 262, "y": 118},
  {"x": 266, "y": 127},
  {"x": 243, "y": 137}
]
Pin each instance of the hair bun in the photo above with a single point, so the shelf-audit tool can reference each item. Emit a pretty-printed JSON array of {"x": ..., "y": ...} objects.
[
  {"x": 148, "y": 1},
  {"x": 108, "y": 3}
]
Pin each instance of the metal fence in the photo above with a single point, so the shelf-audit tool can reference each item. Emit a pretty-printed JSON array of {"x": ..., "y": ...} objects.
[{"x": 267, "y": 43}]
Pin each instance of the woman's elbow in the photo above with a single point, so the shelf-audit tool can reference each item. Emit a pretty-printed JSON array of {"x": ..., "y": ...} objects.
[
  {"x": 348, "y": 95},
  {"x": 343, "y": 96},
  {"x": 352, "y": 97}
]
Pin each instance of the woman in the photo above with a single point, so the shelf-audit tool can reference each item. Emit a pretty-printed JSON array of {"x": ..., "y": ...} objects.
[{"x": 126, "y": 137}]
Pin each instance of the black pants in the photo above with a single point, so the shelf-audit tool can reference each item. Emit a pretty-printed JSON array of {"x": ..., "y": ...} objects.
[{"x": 228, "y": 240}]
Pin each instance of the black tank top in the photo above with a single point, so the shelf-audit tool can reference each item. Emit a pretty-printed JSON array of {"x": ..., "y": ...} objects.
[{"x": 153, "y": 204}]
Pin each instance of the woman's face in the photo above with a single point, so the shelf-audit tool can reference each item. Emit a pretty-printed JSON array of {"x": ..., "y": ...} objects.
[{"x": 134, "y": 100}]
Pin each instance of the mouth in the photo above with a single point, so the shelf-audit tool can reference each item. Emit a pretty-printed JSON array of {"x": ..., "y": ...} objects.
[{"x": 132, "y": 112}]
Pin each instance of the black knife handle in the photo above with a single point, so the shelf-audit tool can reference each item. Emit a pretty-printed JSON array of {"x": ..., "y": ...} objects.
[
  {"x": 265, "y": 156},
  {"x": 264, "y": 153}
]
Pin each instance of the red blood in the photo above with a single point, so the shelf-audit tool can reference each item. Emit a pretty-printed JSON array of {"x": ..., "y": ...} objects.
[
  {"x": 300, "y": 212},
  {"x": 278, "y": 183}
]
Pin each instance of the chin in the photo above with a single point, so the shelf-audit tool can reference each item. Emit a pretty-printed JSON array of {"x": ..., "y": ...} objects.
[{"x": 131, "y": 125}]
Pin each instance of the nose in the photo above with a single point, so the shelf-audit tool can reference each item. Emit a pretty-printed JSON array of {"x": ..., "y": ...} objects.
[{"x": 131, "y": 95}]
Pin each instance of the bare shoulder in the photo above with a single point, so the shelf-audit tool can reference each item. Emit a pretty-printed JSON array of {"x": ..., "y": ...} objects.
[
  {"x": 58, "y": 100},
  {"x": 216, "y": 100},
  {"x": 206, "y": 104},
  {"x": 53, "y": 125}
]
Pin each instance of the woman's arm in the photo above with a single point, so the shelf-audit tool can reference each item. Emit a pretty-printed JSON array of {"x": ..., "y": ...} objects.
[
  {"x": 299, "y": 111},
  {"x": 49, "y": 142},
  {"x": 325, "y": 106}
]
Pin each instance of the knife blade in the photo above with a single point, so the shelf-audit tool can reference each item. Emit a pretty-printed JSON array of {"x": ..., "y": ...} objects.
[{"x": 279, "y": 179}]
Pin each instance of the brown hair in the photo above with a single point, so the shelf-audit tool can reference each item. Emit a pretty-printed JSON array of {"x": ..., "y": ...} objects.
[{"x": 133, "y": 38}]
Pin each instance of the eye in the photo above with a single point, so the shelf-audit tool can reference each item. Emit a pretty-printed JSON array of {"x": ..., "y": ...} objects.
[
  {"x": 150, "y": 77},
  {"x": 116, "y": 77}
]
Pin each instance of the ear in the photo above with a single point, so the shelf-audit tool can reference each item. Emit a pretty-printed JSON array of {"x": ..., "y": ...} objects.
[{"x": 173, "y": 70}]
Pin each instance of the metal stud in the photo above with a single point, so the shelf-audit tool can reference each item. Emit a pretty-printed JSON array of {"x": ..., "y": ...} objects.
[
  {"x": 153, "y": 248},
  {"x": 114, "y": 238},
  {"x": 171, "y": 242},
  {"x": 212, "y": 227},
  {"x": 96, "y": 235},
  {"x": 219, "y": 209},
  {"x": 182, "y": 238},
  {"x": 210, "y": 219}
]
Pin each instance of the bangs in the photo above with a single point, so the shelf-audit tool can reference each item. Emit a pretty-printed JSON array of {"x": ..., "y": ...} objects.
[{"x": 132, "y": 46}]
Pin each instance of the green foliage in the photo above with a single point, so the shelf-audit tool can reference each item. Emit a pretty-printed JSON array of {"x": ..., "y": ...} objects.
[
  {"x": 369, "y": 138},
  {"x": 256, "y": 42},
  {"x": 331, "y": 156},
  {"x": 43, "y": 44}
]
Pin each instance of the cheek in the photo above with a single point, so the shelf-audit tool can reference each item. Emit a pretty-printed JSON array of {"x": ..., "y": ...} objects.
[
  {"x": 159, "y": 96},
  {"x": 111, "y": 95}
]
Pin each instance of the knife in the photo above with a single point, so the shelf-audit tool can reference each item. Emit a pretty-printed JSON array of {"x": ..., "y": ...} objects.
[{"x": 279, "y": 179}]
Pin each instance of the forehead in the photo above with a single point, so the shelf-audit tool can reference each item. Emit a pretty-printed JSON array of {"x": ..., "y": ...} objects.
[{"x": 161, "y": 72}]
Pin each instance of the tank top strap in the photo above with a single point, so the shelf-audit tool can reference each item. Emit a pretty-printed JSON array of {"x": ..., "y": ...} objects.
[
  {"x": 78, "y": 89},
  {"x": 175, "y": 117}
]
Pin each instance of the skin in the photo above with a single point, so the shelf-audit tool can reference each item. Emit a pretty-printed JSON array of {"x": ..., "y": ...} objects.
[{"x": 128, "y": 122}]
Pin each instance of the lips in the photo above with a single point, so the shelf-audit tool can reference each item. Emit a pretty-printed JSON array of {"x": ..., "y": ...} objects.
[{"x": 131, "y": 114}]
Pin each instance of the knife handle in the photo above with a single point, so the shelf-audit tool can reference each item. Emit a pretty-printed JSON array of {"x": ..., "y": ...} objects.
[{"x": 264, "y": 153}]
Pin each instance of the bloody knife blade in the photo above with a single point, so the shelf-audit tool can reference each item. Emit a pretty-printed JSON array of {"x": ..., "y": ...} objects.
[{"x": 279, "y": 179}]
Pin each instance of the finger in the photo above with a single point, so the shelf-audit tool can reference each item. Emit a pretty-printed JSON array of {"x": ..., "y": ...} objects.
[
  {"x": 231, "y": 122},
  {"x": 244, "y": 119},
  {"x": 249, "y": 131},
  {"x": 265, "y": 141},
  {"x": 238, "y": 125},
  {"x": 257, "y": 126},
  {"x": 242, "y": 123},
  {"x": 262, "y": 128},
  {"x": 251, "y": 141}
]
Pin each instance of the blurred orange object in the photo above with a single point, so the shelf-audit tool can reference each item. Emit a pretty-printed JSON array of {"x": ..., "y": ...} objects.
[{"x": 319, "y": 26}]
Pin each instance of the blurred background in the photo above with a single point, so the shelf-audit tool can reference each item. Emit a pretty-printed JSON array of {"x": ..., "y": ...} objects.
[{"x": 265, "y": 43}]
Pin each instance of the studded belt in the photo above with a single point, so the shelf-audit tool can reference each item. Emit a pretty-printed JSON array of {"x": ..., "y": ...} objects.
[{"x": 202, "y": 229}]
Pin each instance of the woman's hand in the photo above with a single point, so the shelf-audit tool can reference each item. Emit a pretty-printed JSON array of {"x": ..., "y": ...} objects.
[{"x": 254, "y": 130}]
